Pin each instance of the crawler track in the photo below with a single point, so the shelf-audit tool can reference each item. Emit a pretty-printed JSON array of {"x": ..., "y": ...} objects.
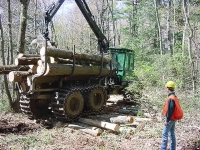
[
  {"x": 70, "y": 103},
  {"x": 34, "y": 108}
]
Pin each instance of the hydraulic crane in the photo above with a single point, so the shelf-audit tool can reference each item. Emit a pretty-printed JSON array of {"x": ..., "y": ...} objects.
[{"x": 51, "y": 11}]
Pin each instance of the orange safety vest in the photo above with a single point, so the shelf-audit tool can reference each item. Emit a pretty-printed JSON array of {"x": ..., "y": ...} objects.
[{"x": 178, "y": 112}]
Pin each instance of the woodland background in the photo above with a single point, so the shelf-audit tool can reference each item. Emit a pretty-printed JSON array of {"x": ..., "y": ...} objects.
[{"x": 164, "y": 35}]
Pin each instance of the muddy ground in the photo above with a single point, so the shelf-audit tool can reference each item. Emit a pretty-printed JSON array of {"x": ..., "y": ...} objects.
[{"x": 17, "y": 132}]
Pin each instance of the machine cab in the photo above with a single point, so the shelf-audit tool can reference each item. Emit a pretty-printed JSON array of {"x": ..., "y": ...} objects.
[{"x": 122, "y": 62}]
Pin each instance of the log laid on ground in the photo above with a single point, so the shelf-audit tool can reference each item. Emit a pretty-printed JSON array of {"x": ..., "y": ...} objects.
[
  {"x": 26, "y": 61},
  {"x": 149, "y": 115},
  {"x": 138, "y": 119},
  {"x": 63, "y": 69},
  {"x": 127, "y": 111},
  {"x": 122, "y": 119},
  {"x": 18, "y": 76},
  {"x": 92, "y": 131},
  {"x": 115, "y": 98},
  {"x": 127, "y": 129},
  {"x": 101, "y": 124},
  {"x": 110, "y": 109},
  {"x": 55, "y": 52}
]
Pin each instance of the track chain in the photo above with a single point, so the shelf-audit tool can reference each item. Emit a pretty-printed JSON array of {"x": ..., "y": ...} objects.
[
  {"x": 57, "y": 104},
  {"x": 25, "y": 105}
]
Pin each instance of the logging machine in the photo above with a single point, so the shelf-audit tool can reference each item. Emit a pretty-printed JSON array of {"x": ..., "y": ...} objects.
[{"x": 69, "y": 84}]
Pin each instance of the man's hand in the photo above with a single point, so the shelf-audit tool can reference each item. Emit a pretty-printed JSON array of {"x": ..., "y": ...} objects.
[{"x": 166, "y": 123}]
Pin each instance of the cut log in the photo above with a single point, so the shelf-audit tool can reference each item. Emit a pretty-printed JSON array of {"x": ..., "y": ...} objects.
[
  {"x": 127, "y": 130},
  {"x": 26, "y": 61},
  {"x": 18, "y": 76},
  {"x": 62, "y": 69},
  {"x": 8, "y": 67},
  {"x": 40, "y": 62},
  {"x": 101, "y": 124},
  {"x": 55, "y": 52},
  {"x": 20, "y": 55},
  {"x": 122, "y": 119},
  {"x": 33, "y": 69},
  {"x": 92, "y": 131},
  {"x": 57, "y": 60},
  {"x": 138, "y": 119},
  {"x": 127, "y": 111}
]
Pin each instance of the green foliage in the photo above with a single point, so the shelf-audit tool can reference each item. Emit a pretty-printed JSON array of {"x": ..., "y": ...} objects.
[{"x": 4, "y": 105}]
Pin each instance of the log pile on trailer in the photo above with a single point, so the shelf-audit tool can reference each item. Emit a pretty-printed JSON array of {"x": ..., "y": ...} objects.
[{"x": 59, "y": 62}]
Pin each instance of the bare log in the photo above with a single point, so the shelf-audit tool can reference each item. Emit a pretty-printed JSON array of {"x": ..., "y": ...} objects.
[
  {"x": 90, "y": 130},
  {"x": 55, "y": 52},
  {"x": 122, "y": 119},
  {"x": 33, "y": 69},
  {"x": 20, "y": 55},
  {"x": 6, "y": 69},
  {"x": 26, "y": 61},
  {"x": 62, "y": 69},
  {"x": 101, "y": 124},
  {"x": 138, "y": 119},
  {"x": 18, "y": 76},
  {"x": 127, "y": 130}
]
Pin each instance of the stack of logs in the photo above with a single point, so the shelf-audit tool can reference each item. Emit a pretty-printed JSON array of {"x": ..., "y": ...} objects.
[{"x": 59, "y": 62}]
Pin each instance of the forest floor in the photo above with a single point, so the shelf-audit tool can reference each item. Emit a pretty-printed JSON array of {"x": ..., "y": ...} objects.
[{"x": 17, "y": 132}]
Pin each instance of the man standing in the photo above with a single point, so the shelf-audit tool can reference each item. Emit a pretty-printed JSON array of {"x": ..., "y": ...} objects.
[{"x": 172, "y": 111}]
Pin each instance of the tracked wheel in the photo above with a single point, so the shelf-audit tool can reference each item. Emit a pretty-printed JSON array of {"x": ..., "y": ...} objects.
[
  {"x": 68, "y": 104},
  {"x": 96, "y": 100},
  {"x": 73, "y": 105}
]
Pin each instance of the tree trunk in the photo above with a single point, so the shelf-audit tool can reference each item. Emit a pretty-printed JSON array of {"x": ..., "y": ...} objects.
[
  {"x": 10, "y": 32},
  {"x": 23, "y": 24},
  {"x": 191, "y": 34},
  {"x": 3, "y": 57},
  {"x": 159, "y": 28},
  {"x": 169, "y": 28}
]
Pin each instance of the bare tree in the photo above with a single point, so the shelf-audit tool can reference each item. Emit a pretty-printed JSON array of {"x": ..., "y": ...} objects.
[
  {"x": 23, "y": 24},
  {"x": 190, "y": 40},
  {"x": 159, "y": 28},
  {"x": 10, "y": 32},
  {"x": 3, "y": 58},
  {"x": 169, "y": 27}
]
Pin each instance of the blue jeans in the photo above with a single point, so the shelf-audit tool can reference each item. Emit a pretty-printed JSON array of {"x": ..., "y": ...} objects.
[{"x": 169, "y": 129}]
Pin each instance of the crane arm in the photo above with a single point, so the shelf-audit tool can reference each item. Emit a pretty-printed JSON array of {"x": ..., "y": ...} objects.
[
  {"x": 49, "y": 14},
  {"x": 102, "y": 40}
]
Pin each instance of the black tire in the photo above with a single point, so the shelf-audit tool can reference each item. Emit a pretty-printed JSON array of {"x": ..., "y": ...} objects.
[
  {"x": 73, "y": 105},
  {"x": 97, "y": 99}
]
